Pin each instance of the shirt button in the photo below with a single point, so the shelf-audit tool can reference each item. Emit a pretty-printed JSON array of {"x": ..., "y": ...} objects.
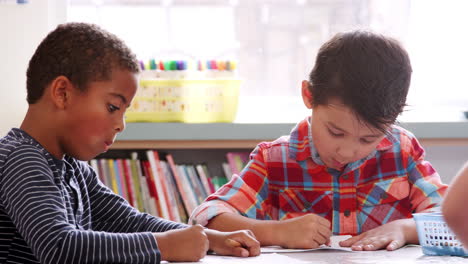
[
  {"x": 345, "y": 176},
  {"x": 384, "y": 196},
  {"x": 347, "y": 213}
]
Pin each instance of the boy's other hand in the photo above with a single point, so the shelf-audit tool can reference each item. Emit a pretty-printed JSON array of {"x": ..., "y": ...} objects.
[
  {"x": 188, "y": 244},
  {"x": 307, "y": 231},
  {"x": 240, "y": 243},
  {"x": 391, "y": 236}
]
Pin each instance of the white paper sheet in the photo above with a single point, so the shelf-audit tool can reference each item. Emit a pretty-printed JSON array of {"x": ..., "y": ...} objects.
[{"x": 333, "y": 246}]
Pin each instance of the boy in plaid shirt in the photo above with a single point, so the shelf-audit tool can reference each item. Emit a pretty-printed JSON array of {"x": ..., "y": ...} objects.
[{"x": 346, "y": 169}]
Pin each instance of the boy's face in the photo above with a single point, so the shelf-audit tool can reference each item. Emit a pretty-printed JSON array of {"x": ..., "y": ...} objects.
[
  {"x": 94, "y": 117},
  {"x": 340, "y": 138}
]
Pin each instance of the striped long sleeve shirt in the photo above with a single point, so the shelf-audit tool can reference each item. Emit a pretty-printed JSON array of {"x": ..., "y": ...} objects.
[
  {"x": 57, "y": 211},
  {"x": 286, "y": 178}
]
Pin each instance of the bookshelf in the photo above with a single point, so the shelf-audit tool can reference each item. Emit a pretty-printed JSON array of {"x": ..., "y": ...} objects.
[{"x": 213, "y": 158}]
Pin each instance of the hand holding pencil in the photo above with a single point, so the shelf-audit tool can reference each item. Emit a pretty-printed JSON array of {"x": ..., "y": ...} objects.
[{"x": 238, "y": 243}]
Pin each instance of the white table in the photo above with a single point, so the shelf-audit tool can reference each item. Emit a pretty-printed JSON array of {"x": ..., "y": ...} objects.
[{"x": 406, "y": 255}]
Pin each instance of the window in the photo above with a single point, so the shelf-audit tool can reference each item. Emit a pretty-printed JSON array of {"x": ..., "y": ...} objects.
[
  {"x": 438, "y": 50},
  {"x": 275, "y": 42}
]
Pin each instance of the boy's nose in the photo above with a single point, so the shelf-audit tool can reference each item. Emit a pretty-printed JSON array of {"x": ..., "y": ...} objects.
[
  {"x": 347, "y": 152},
  {"x": 120, "y": 125}
]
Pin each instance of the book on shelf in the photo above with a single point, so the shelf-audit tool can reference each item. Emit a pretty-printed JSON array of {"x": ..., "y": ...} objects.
[
  {"x": 129, "y": 182},
  {"x": 119, "y": 172},
  {"x": 183, "y": 185},
  {"x": 197, "y": 185},
  {"x": 180, "y": 208},
  {"x": 160, "y": 186},
  {"x": 218, "y": 181},
  {"x": 154, "y": 183},
  {"x": 106, "y": 178},
  {"x": 136, "y": 175},
  {"x": 207, "y": 185},
  {"x": 94, "y": 164},
  {"x": 227, "y": 170},
  {"x": 149, "y": 199},
  {"x": 146, "y": 199},
  {"x": 170, "y": 193},
  {"x": 113, "y": 177},
  {"x": 237, "y": 162}
]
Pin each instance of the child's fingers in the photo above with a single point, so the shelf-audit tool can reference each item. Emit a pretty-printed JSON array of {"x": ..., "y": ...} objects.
[
  {"x": 325, "y": 233},
  {"x": 233, "y": 243},
  {"x": 376, "y": 243},
  {"x": 324, "y": 221},
  {"x": 240, "y": 252},
  {"x": 249, "y": 244},
  {"x": 236, "y": 248},
  {"x": 320, "y": 239},
  {"x": 395, "y": 244},
  {"x": 365, "y": 244},
  {"x": 350, "y": 241},
  {"x": 370, "y": 244},
  {"x": 326, "y": 239}
]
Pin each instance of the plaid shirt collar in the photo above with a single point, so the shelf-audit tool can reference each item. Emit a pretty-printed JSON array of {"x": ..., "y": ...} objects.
[{"x": 304, "y": 147}]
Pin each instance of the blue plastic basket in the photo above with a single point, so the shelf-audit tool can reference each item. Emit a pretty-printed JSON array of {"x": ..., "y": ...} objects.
[{"x": 435, "y": 236}]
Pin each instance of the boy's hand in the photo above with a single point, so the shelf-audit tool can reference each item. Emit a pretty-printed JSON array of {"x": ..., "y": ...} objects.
[
  {"x": 307, "y": 231},
  {"x": 188, "y": 244},
  {"x": 238, "y": 243},
  {"x": 391, "y": 236}
]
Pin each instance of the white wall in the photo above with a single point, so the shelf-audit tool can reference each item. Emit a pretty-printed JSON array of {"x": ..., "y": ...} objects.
[{"x": 22, "y": 27}]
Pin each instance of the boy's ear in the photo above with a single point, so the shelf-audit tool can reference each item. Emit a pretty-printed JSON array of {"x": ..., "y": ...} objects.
[
  {"x": 306, "y": 94},
  {"x": 60, "y": 91}
]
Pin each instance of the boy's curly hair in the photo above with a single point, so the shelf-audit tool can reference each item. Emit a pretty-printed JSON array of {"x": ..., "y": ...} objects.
[
  {"x": 79, "y": 51},
  {"x": 368, "y": 72}
]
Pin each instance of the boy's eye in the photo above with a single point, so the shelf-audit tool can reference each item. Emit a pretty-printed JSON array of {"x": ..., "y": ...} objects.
[
  {"x": 334, "y": 133},
  {"x": 365, "y": 141},
  {"x": 112, "y": 108}
]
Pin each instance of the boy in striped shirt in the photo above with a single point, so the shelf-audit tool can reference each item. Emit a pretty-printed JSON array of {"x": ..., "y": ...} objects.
[
  {"x": 53, "y": 208},
  {"x": 344, "y": 170}
]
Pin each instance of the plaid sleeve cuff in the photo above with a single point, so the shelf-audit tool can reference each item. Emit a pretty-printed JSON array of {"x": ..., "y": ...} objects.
[{"x": 207, "y": 210}]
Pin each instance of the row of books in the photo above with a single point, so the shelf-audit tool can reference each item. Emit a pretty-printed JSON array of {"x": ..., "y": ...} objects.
[{"x": 159, "y": 186}]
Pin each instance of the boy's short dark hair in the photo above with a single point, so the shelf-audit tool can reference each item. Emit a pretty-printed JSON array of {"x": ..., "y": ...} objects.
[
  {"x": 79, "y": 51},
  {"x": 368, "y": 72}
]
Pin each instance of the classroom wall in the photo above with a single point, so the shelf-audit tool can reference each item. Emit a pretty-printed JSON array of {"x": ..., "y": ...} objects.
[
  {"x": 22, "y": 27},
  {"x": 447, "y": 160}
]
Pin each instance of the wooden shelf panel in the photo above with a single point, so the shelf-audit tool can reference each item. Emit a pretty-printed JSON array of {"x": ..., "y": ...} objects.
[
  {"x": 247, "y": 136},
  {"x": 259, "y": 132},
  {"x": 185, "y": 144},
  {"x": 241, "y": 144}
]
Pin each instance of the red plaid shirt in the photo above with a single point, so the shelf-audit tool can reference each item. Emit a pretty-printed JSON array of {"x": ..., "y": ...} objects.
[{"x": 286, "y": 178}]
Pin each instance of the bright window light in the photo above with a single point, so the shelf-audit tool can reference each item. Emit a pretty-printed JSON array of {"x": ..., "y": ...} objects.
[{"x": 275, "y": 43}]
